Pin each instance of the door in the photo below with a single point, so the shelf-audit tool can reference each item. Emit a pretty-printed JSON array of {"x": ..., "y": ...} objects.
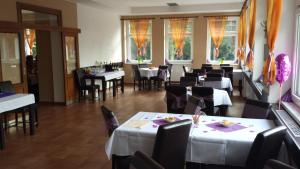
[
  {"x": 71, "y": 62},
  {"x": 12, "y": 58}
]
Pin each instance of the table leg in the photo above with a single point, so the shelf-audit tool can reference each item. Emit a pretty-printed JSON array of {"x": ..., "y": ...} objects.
[
  {"x": 149, "y": 84},
  {"x": 122, "y": 84},
  {"x": 93, "y": 90},
  {"x": 240, "y": 87},
  {"x": 114, "y": 87},
  {"x": 2, "y": 136},
  {"x": 104, "y": 89},
  {"x": 32, "y": 118}
]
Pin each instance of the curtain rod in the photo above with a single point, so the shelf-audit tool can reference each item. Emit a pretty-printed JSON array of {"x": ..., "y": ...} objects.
[
  {"x": 177, "y": 17},
  {"x": 208, "y": 16},
  {"x": 137, "y": 18}
]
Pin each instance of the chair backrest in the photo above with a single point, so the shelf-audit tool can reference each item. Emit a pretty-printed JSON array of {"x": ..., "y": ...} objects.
[
  {"x": 256, "y": 109},
  {"x": 188, "y": 81},
  {"x": 142, "y": 161},
  {"x": 143, "y": 66},
  {"x": 214, "y": 74},
  {"x": 136, "y": 72},
  {"x": 191, "y": 74},
  {"x": 176, "y": 98},
  {"x": 162, "y": 72},
  {"x": 184, "y": 69},
  {"x": 168, "y": 152},
  {"x": 7, "y": 86},
  {"x": 111, "y": 120},
  {"x": 207, "y": 68},
  {"x": 207, "y": 65},
  {"x": 213, "y": 79},
  {"x": 224, "y": 65},
  {"x": 217, "y": 71},
  {"x": 79, "y": 74},
  {"x": 275, "y": 164},
  {"x": 265, "y": 146},
  {"x": 228, "y": 72},
  {"x": 194, "y": 105},
  {"x": 200, "y": 72},
  {"x": 207, "y": 94}
]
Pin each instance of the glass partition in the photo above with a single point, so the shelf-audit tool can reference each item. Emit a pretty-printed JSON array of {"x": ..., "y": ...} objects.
[
  {"x": 10, "y": 57},
  {"x": 38, "y": 18},
  {"x": 70, "y": 53}
]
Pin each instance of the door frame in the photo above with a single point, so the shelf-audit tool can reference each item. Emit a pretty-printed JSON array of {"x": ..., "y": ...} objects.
[
  {"x": 12, "y": 27},
  {"x": 64, "y": 31},
  {"x": 74, "y": 33}
]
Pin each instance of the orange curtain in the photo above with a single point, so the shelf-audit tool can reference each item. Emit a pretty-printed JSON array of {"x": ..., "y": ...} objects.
[
  {"x": 217, "y": 27},
  {"x": 30, "y": 38},
  {"x": 178, "y": 29},
  {"x": 138, "y": 30},
  {"x": 242, "y": 35},
  {"x": 274, "y": 9},
  {"x": 250, "y": 56}
]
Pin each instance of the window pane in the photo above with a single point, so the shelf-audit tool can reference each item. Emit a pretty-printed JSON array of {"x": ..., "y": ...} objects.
[
  {"x": 33, "y": 17},
  {"x": 132, "y": 48},
  {"x": 10, "y": 57},
  {"x": 70, "y": 54},
  {"x": 146, "y": 50},
  {"x": 226, "y": 50},
  {"x": 187, "y": 48}
]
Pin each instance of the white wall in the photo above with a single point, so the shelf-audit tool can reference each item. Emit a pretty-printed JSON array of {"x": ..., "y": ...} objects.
[{"x": 100, "y": 38}]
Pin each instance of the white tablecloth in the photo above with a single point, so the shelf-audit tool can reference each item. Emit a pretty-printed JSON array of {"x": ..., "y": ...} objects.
[
  {"x": 225, "y": 83},
  {"x": 205, "y": 144},
  {"x": 221, "y": 97},
  {"x": 237, "y": 74},
  {"x": 15, "y": 101},
  {"x": 147, "y": 72},
  {"x": 111, "y": 75}
]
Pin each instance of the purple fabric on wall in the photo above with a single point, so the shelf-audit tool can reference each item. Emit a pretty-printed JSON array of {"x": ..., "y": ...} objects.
[
  {"x": 4, "y": 94},
  {"x": 219, "y": 127}
]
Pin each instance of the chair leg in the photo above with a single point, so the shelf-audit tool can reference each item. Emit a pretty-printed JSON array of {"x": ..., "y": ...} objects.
[
  {"x": 134, "y": 85},
  {"x": 16, "y": 119},
  {"x": 5, "y": 121},
  {"x": 24, "y": 122}
]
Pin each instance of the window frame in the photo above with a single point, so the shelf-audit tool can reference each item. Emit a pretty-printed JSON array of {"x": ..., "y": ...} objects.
[
  {"x": 229, "y": 33},
  {"x": 166, "y": 43},
  {"x": 296, "y": 74},
  {"x": 127, "y": 44}
]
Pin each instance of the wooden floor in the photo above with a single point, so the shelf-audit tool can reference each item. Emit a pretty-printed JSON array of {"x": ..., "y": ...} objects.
[{"x": 74, "y": 137}]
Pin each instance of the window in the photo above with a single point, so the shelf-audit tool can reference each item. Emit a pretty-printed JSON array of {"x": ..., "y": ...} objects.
[
  {"x": 229, "y": 46},
  {"x": 296, "y": 73},
  {"x": 170, "y": 50},
  {"x": 131, "y": 48}
]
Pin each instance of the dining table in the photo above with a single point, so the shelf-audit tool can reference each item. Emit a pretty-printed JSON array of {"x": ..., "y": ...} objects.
[
  {"x": 12, "y": 101},
  {"x": 209, "y": 141},
  {"x": 105, "y": 77},
  {"x": 237, "y": 75},
  {"x": 148, "y": 72}
]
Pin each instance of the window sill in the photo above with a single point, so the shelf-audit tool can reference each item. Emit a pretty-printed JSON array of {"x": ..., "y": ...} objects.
[
  {"x": 180, "y": 62},
  {"x": 293, "y": 110},
  {"x": 136, "y": 63}
]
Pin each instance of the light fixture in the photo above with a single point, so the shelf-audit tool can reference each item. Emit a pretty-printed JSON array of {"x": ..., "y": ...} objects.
[{"x": 172, "y": 4}]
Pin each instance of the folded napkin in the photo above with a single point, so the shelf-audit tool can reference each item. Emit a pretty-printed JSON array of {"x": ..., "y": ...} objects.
[{"x": 137, "y": 123}]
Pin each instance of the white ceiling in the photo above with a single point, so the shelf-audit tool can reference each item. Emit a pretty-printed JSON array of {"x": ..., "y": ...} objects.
[{"x": 160, "y": 6}]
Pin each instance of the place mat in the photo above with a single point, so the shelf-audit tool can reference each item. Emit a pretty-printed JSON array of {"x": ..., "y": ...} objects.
[
  {"x": 137, "y": 123},
  {"x": 219, "y": 127},
  {"x": 4, "y": 94},
  {"x": 163, "y": 121}
]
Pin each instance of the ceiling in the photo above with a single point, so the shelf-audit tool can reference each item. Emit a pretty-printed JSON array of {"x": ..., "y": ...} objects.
[{"x": 160, "y": 6}]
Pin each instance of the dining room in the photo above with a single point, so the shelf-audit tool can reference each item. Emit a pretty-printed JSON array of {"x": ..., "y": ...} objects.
[{"x": 181, "y": 84}]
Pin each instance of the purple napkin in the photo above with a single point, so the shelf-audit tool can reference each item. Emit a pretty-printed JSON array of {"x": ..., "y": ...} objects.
[
  {"x": 219, "y": 127},
  {"x": 4, "y": 94},
  {"x": 162, "y": 121}
]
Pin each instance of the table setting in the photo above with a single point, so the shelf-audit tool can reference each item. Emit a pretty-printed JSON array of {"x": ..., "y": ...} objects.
[{"x": 212, "y": 140}]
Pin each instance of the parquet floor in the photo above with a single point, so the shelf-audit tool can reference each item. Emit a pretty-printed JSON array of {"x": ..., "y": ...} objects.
[{"x": 74, "y": 137}]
